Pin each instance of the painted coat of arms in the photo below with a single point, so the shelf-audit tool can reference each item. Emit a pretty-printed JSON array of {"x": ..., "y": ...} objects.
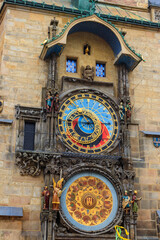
[{"x": 156, "y": 142}]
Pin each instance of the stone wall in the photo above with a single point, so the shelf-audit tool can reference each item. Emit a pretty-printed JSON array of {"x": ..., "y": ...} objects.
[
  {"x": 22, "y": 77},
  {"x": 145, "y": 97}
]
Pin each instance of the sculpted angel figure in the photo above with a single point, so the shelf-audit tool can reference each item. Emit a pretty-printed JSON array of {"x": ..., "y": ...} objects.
[
  {"x": 88, "y": 73},
  {"x": 57, "y": 192}
]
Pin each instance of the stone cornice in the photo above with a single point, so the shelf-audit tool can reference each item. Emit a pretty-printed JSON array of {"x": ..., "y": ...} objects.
[{"x": 75, "y": 12}]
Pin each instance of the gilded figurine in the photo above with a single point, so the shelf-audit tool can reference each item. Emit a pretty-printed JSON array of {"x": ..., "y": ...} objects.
[
  {"x": 56, "y": 102},
  {"x": 121, "y": 111},
  {"x": 49, "y": 101},
  {"x": 46, "y": 195},
  {"x": 88, "y": 73},
  {"x": 126, "y": 202},
  {"x": 87, "y": 50},
  {"x": 129, "y": 110},
  {"x": 57, "y": 192},
  {"x": 135, "y": 200}
]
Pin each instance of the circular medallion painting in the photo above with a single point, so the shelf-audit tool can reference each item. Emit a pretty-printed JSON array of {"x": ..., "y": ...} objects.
[{"x": 89, "y": 201}]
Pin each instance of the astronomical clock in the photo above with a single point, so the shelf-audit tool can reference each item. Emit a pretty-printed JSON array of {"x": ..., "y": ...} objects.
[
  {"x": 88, "y": 124},
  {"x": 80, "y": 137}
]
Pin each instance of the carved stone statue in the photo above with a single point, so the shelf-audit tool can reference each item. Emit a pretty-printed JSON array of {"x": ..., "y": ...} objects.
[
  {"x": 88, "y": 73},
  {"x": 49, "y": 101},
  {"x": 126, "y": 202},
  {"x": 129, "y": 109},
  {"x": 57, "y": 192},
  {"x": 121, "y": 111},
  {"x": 135, "y": 200},
  {"x": 46, "y": 195},
  {"x": 52, "y": 29}
]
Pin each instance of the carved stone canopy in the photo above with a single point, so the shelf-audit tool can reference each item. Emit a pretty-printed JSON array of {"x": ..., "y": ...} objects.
[
  {"x": 25, "y": 112},
  {"x": 97, "y": 26}
]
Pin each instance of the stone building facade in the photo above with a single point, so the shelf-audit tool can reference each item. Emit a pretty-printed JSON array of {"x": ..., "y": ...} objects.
[{"x": 50, "y": 52}]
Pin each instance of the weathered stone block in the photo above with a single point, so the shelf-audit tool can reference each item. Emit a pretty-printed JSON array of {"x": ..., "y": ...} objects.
[
  {"x": 12, "y": 225},
  {"x": 31, "y": 226},
  {"x": 37, "y": 192},
  {"x": 19, "y": 200},
  {"x": 147, "y": 232}
]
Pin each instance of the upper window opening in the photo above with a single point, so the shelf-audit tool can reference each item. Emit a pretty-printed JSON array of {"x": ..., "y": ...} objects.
[
  {"x": 71, "y": 65},
  {"x": 100, "y": 69}
]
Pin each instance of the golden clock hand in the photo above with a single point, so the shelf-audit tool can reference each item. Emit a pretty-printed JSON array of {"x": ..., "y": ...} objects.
[
  {"x": 74, "y": 104},
  {"x": 81, "y": 111}
]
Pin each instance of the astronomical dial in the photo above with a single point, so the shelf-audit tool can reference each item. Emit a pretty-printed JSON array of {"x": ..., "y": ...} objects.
[{"x": 88, "y": 123}]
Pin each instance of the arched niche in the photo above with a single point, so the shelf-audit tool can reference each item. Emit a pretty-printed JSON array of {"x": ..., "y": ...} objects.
[{"x": 123, "y": 54}]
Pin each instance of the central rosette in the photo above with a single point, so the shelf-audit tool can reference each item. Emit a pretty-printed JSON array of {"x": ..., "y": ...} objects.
[
  {"x": 83, "y": 126},
  {"x": 89, "y": 201}
]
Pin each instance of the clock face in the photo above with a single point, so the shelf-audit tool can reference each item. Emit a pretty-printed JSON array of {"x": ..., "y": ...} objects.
[
  {"x": 88, "y": 123},
  {"x": 89, "y": 201}
]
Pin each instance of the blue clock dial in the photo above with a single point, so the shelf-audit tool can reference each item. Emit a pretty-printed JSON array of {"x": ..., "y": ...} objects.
[{"x": 88, "y": 123}]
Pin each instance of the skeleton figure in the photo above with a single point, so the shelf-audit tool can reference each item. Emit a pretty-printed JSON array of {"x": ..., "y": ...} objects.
[
  {"x": 121, "y": 111},
  {"x": 129, "y": 109}
]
